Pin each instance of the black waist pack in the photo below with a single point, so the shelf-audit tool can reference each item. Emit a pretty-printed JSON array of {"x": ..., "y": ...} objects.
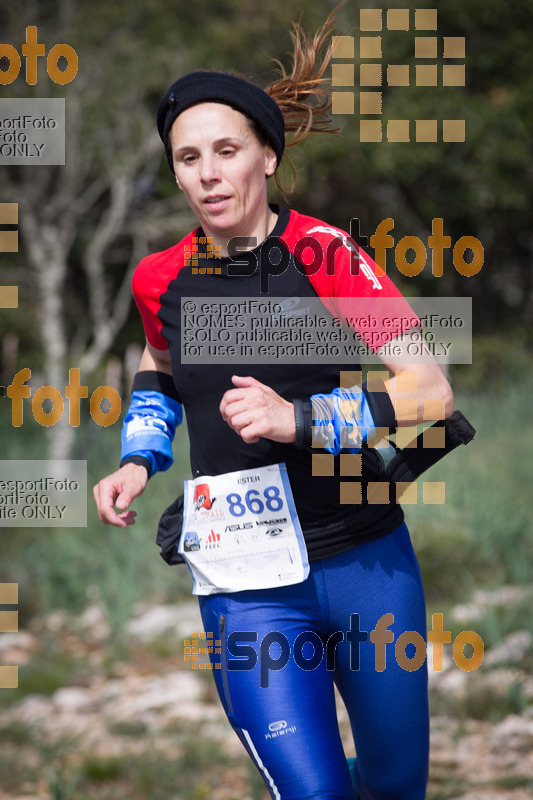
[
  {"x": 406, "y": 466},
  {"x": 169, "y": 532}
]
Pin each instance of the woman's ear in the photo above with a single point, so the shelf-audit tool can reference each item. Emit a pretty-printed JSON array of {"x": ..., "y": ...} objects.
[
  {"x": 271, "y": 161},
  {"x": 179, "y": 184}
]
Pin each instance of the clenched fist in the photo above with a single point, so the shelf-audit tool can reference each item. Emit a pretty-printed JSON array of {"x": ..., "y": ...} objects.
[{"x": 256, "y": 411}]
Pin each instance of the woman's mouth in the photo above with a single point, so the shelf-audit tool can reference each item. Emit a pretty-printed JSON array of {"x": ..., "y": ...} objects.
[{"x": 216, "y": 200}]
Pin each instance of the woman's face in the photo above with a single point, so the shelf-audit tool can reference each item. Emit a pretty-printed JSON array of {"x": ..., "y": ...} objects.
[{"x": 220, "y": 165}]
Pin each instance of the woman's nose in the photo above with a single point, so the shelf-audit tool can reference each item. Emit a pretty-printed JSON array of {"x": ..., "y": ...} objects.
[{"x": 209, "y": 171}]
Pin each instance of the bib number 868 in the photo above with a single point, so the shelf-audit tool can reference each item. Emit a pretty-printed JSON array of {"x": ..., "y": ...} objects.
[{"x": 253, "y": 503}]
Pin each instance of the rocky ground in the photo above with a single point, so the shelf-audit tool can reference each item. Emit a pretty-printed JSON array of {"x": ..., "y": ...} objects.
[{"x": 117, "y": 703}]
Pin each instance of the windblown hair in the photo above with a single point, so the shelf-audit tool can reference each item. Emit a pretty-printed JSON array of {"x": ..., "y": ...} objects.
[{"x": 302, "y": 96}]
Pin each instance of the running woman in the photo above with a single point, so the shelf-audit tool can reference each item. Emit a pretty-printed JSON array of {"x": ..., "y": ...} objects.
[{"x": 288, "y": 634}]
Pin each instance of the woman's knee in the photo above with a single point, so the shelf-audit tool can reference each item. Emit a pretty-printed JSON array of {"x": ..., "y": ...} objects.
[{"x": 396, "y": 785}]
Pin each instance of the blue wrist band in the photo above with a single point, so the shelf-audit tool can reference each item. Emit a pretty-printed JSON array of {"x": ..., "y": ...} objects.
[
  {"x": 150, "y": 423},
  {"x": 341, "y": 420}
]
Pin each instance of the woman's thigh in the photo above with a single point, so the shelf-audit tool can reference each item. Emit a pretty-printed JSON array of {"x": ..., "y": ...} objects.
[
  {"x": 376, "y": 596},
  {"x": 279, "y": 695},
  {"x": 283, "y": 711}
]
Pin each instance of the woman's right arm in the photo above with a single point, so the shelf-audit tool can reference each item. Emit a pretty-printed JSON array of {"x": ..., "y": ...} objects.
[{"x": 119, "y": 489}]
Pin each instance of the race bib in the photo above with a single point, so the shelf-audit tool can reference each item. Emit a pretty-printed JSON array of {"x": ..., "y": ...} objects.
[{"x": 241, "y": 531}]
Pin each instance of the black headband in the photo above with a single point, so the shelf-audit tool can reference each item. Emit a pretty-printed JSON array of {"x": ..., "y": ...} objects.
[{"x": 221, "y": 87}]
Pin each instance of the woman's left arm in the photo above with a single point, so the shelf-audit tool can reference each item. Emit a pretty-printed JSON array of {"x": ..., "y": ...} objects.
[{"x": 419, "y": 392}]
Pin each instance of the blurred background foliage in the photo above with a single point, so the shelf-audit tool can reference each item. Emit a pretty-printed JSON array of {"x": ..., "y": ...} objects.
[{"x": 115, "y": 200}]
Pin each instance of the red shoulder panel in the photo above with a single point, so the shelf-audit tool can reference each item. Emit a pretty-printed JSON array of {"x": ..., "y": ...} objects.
[
  {"x": 150, "y": 281},
  {"x": 352, "y": 286}
]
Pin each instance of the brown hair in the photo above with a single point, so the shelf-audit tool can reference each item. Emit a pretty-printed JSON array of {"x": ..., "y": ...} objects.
[{"x": 304, "y": 100}]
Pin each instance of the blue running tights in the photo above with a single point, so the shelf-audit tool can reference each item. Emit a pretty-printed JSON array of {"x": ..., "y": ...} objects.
[{"x": 283, "y": 649}]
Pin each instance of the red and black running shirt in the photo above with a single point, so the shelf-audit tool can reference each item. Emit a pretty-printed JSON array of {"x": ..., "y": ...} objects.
[{"x": 160, "y": 282}]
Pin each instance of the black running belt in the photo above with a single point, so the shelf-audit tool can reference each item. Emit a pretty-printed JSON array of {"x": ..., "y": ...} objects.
[
  {"x": 405, "y": 467},
  {"x": 408, "y": 464}
]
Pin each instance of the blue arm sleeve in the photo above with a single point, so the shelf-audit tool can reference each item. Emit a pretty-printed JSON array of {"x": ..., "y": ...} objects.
[
  {"x": 341, "y": 420},
  {"x": 149, "y": 427}
]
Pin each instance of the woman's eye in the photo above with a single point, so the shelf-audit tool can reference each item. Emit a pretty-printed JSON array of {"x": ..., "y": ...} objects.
[
  {"x": 189, "y": 159},
  {"x": 227, "y": 152}
]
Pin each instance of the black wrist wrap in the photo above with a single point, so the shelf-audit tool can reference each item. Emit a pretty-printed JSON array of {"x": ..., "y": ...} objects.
[
  {"x": 155, "y": 381},
  {"x": 380, "y": 404},
  {"x": 140, "y": 460},
  {"x": 303, "y": 416}
]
